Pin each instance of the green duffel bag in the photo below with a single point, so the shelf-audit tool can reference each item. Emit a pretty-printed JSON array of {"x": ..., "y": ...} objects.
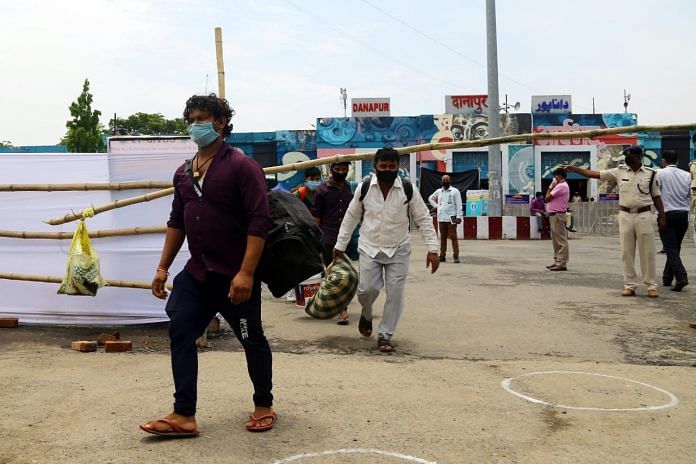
[{"x": 336, "y": 291}]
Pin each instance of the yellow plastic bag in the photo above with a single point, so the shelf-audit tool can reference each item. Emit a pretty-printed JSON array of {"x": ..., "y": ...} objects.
[{"x": 82, "y": 275}]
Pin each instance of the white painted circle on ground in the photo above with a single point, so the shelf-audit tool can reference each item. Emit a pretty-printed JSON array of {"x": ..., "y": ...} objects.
[
  {"x": 403, "y": 457},
  {"x": 673, "y": 400}
]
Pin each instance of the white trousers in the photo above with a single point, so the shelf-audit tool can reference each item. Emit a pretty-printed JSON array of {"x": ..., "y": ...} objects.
[
  {"x": 638, "y": 231},
  {"x": 388, "y": 273}
]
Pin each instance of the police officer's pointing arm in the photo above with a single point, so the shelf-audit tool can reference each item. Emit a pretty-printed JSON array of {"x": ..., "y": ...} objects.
[{"x": 583, "y": 172}]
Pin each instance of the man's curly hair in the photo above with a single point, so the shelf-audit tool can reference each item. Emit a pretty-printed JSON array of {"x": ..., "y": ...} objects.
[{"x": 218, "y": 107}]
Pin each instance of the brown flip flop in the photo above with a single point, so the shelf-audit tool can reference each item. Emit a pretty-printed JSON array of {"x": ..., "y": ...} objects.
[
  {"x": 252, "y": 425},
  {"x": 175, "y": 429}
]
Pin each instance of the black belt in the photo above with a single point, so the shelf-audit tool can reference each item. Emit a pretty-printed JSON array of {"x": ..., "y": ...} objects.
[{"x": 642, "y": 209}]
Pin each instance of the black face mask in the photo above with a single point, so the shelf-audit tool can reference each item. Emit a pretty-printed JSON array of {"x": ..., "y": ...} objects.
[
  {"x": 387, "y": 177},
  {"x": 446, "y": 185},
  {"x": 339, "y": 176}
]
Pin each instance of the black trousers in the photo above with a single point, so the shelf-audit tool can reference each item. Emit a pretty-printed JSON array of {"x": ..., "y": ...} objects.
[
  {"x": 672, "y": 236},
  {"x": 190, "y": 307}
]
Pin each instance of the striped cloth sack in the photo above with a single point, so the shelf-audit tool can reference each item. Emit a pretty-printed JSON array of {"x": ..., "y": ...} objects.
[{"x": 336, "y": 291}]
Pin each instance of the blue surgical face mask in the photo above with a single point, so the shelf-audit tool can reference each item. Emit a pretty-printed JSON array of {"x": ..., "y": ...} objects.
[
  {"x": 313, "y": 184},
  {"x": 203, "y": 133}
]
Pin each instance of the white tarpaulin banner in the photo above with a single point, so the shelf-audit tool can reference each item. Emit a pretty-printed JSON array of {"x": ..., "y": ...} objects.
[{"x": 132, "y": 258}]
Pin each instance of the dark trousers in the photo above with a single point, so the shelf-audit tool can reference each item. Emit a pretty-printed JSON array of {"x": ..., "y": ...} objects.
[
  {"x": 448, "y": 231},
  {"x": 327, "y": 255},
  {"x": 190, "y": 307},
  {"x": 672, "y": 236}
]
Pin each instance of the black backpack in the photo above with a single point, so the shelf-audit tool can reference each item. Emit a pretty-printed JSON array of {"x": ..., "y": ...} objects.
[{"x": 293, "y": 249}]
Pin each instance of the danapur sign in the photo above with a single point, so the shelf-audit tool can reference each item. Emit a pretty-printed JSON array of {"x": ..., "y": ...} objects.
[{"x": 370, "y": 107}]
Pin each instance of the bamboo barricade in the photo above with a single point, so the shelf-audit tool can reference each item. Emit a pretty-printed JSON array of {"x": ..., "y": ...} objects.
[
  {"x": 402, "y": 151},
  {"x": 58, "y": 280},
  {"x": 94, "y": 234},
  {"x": 84, "y": 186}
]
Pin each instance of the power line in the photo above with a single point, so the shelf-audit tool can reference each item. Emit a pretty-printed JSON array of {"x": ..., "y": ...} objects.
[
  {"x": 370, "y": 46},
  {"x": 443, "y": 44}
]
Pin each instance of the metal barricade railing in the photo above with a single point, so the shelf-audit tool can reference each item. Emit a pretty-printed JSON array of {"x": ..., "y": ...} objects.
[{"x": 589, "y": 218}]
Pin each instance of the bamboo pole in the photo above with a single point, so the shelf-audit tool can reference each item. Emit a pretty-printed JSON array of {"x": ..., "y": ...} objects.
[
  {"x": 84, "y": 186},
  {"x": 93, "y": 234},
  {"x": 116, "y": 204},
  {"x": 402, "y": 151},
  {"x": 220, "y": 62},
  {"x": 58, "y": 280}
]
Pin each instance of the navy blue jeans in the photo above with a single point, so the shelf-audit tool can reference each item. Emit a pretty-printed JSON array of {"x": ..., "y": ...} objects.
[
  {"x": 191, "y": 306},
  {"x": 672, "y": 236}
]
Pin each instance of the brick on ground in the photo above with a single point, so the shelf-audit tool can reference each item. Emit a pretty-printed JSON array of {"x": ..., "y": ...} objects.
[
  {"x": 108, "y": 337},
  {"x": 9, "y": 322},
  {"x": 118, "y": 346},
  {"x": 84, "y": 346}
]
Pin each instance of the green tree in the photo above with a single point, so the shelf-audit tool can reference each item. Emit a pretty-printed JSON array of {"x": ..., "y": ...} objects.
[
  {"x": 148, "y": 124},
  {"x": 5, "y": 143},
  {"x": 84, "y": 131}
]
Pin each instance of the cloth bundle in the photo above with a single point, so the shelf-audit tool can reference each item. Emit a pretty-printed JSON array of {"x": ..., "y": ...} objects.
[{"x": 336, "y": 291}]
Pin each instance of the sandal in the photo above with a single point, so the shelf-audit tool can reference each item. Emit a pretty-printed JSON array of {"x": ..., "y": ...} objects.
[
  {"x": 384, "y": 345},
  {"x": 342, "y": 318},
  {"x": 175, "y": 430},
  {"x": 365, "y": 326},
  {"x": 254, "y": 426}
]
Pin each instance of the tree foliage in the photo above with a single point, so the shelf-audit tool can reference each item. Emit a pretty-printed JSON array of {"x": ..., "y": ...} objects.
[
  {"x": 84, "y": 131},
  {"x": 5, "y": 143},
  {"x": 148, "y": 124}
]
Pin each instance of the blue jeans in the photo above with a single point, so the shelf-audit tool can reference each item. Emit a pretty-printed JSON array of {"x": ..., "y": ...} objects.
[{"x": 191, "y": 306}]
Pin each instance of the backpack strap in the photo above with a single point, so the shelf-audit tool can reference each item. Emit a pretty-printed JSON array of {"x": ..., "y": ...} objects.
[{"x": 408, "y": 189}]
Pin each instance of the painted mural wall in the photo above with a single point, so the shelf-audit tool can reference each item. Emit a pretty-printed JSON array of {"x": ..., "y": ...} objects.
[{"x": 350, "y": 133}]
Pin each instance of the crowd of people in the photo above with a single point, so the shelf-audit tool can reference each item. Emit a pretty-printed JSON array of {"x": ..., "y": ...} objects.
[{"x": 221, "y": 188}]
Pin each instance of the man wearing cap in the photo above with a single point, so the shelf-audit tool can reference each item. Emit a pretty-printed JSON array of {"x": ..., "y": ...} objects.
[{"x": 638, "y": 191}]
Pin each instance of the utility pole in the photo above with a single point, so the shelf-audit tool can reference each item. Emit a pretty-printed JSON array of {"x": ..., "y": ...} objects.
[
  {"x": 220, "y": 62},
  {"x": 495, "y": 188},
  {"x": 344, "y": 97}
]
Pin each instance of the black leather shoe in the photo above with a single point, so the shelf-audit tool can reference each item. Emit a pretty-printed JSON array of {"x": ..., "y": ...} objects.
[
  {"x": 558, "y": 268},
  {"x": 443, "y": 259},
  {"x": 680, "y": 285}
]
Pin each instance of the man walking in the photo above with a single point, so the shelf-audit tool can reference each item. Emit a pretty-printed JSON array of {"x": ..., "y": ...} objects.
[
  {"x": 448, "y": 201},
  {"x": 637, "y": 193},
  {"x": 557, "y": 198},
  {"x": 219, "y": 189},
  {"x": 384, "y": 243},
  {"x": 675, "y": 188},
  {"x": 331, "y": 200}
]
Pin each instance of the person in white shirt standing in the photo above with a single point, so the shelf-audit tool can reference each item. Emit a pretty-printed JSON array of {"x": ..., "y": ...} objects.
[
  {"x": 448, "y": 201},
  {"x": 674, "y": 184},
  {"x": 384, "y": 245}
]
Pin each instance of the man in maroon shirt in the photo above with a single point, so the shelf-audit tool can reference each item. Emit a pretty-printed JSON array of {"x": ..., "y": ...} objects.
[
  {"x": 331, "y": 200},
  {"x": 221, "y": 208}
]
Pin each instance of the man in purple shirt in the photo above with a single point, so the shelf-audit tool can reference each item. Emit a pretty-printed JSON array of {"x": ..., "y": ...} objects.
[
  {"x": 331, "y": 200},
  {"x": 538, "y": 209},
  {"x": 556, "y": 205},
  {"x": 221, "y": 208}
]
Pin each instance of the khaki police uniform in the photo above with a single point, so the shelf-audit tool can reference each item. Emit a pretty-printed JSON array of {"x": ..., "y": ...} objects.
[
  {"x": 636, "y": 221},
  {"x": 692, "y": 168}
]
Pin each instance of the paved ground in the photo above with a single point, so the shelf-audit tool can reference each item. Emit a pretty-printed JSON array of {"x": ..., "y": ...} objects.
[{"x": 497, "y": 315}]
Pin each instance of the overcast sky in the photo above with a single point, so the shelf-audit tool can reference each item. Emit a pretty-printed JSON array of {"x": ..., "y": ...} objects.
[{"x": 285, "y": 60}]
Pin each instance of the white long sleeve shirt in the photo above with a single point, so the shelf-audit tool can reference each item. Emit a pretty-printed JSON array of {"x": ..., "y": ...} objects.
[
  {"x": 448, "y": 203},
  {"x": 385, "y": 222}
]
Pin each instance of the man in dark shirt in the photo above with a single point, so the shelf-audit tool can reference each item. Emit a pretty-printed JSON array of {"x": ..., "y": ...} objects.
[
  {"x": 221, "y": 208},
  {"x": 331, "y": 200}
]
